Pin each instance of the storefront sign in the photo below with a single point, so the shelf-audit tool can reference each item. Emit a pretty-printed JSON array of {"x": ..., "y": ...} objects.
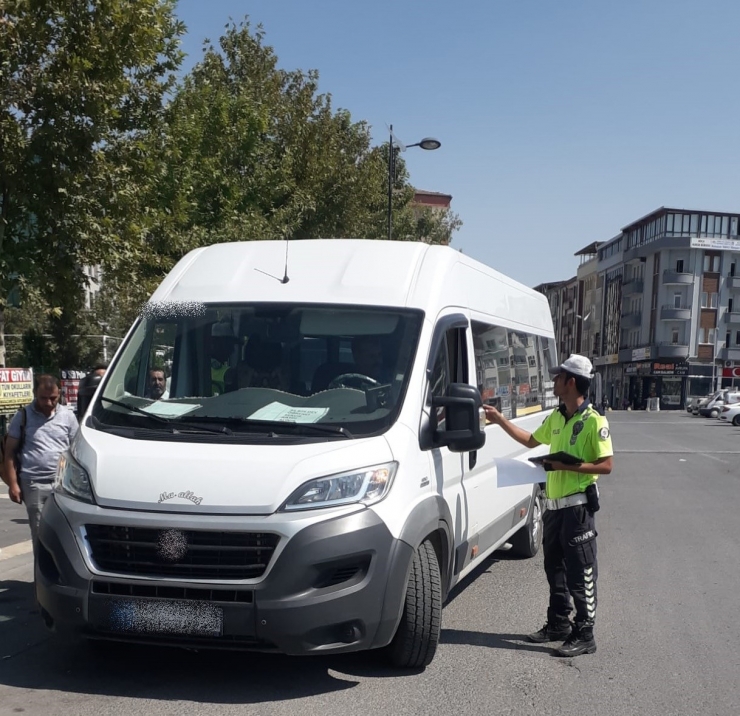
[
  {"x": 638, "y": 368},
  {"x": 731, "y": 372},
  {"x": 70, "y": 385},
  {"x": 641, "y": 353},
  {"x": 717, "y": 244},
  {"x": 670, "y": 368},
  {"x": 16, "y": 387},
  {"x": 610, "y": 359}
]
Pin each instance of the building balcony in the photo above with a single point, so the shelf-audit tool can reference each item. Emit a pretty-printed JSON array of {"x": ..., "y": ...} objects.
[
  {"x": 729, "y": 353},
  {"x": 732, "y": 318},
  {"x": 632, "y": 287},
  {"x": 733, "y": 283},
  {"x": 673, "y": 350},
  {"x": 681, "y": 278},
  {"x": 675, "y": 313},
  {"x": 631, "y": 320}
]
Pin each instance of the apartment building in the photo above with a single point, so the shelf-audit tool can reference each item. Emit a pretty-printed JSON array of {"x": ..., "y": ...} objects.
[
  {"x": 563, "y": 299},
  {"x": 669, "y": 319}
]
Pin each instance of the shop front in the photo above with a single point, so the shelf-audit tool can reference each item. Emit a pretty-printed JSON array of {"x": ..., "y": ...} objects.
[{"x": 665, "y": 380}]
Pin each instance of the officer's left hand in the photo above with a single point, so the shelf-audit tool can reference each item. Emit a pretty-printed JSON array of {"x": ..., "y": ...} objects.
[{"x": 557, "y": 465}]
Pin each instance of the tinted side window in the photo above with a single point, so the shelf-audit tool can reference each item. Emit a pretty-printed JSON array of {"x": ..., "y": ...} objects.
[
  {"x": 511, "y": 369},
  {"x": 450, "y": 366}
]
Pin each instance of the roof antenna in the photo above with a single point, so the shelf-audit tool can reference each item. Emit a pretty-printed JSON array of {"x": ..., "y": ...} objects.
[{"x": 285, "y": 278}]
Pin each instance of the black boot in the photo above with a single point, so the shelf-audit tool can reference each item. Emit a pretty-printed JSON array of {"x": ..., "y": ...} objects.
[
  {"x": 580, "y": 641},
  {"x": 550, "y": 632}
]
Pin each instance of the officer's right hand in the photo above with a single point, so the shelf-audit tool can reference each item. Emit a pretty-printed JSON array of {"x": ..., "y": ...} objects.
[
  {"x": 492, "y": 414},
  {"x": 14, "y": 492}
]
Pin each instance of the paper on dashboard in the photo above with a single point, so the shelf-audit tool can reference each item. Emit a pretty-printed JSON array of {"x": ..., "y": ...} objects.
[{"x": 288, "y": 413}]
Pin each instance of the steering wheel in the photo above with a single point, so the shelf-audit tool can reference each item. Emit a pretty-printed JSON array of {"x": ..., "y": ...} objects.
[{"x": 353, "y": 380}]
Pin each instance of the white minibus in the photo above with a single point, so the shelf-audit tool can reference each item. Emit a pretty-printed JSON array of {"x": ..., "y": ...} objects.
[{"x": 288, "y": 452}]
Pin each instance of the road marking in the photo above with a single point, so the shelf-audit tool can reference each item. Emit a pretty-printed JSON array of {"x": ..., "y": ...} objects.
[
  {"x": 4, "y": 496},
  {"x": 15, "y": 550}
]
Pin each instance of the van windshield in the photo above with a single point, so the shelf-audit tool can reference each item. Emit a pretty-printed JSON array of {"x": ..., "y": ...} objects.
[{"x": 277, "y": 368}]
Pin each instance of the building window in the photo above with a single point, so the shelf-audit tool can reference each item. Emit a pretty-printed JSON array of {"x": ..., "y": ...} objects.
[
  {"x": 737, "y": 338},
  {"x": 712, "y": 300},
  {"x": 711, "y": 262},
  {"x": 729, "y": 305},
  {"x": 732, "y": 268},
  {"x": 677, "y": 300},
  {"x": 674, "y": 336},
  {"x": 704, "y": 299},
  {"x": 679, "y": 266}
]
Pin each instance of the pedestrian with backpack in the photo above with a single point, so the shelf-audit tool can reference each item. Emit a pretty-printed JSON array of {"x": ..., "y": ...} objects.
[{"x": 38, "y": 434}]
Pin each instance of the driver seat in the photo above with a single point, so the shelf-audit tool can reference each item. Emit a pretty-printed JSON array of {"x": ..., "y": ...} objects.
[{"x": 326, "y": 372}]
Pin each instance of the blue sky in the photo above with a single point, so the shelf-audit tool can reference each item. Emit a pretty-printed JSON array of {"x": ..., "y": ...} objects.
[{"x": 560, "y": 122}]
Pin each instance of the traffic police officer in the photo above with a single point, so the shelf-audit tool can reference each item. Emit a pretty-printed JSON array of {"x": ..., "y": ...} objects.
[{"x": 569, "y": 537}]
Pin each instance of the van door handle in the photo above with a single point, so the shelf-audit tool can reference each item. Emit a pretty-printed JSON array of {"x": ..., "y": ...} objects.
[{"x": 473, "y": 458}]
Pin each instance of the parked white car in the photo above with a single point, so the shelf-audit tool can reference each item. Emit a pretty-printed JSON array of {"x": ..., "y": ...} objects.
[{"x": 731, "y": 414}]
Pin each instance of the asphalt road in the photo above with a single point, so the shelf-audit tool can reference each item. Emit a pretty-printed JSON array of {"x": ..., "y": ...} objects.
[
  {"x": 13, "y": 521},
  {"x": 667, "y": 628}
]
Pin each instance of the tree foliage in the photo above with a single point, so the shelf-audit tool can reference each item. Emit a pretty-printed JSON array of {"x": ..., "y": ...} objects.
[{"x": 82, "y": 85}]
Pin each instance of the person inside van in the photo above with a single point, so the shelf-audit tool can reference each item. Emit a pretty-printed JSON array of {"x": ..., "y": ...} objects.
[
  {"x": 156, "y": 385},
  {"x": 223, "y": 341},
  {"x": 262, "y": 366},
  {"x": 367, "y": 354}
]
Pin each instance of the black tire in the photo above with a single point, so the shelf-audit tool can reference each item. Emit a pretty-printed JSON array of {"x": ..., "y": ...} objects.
[
  {"x": 527, "y": 541},
  {"x": 417, "y": 636},
  {"x": 736, "y": 421}
]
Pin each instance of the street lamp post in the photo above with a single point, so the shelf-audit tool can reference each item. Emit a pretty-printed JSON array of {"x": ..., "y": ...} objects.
[
  {"x": 394, "y": 145},
  {"x": 103, "y": 326}
]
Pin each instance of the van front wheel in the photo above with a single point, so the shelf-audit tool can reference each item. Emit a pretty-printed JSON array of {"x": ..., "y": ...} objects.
[
  {"x": 528, "y": 540},
  {"x": 415, "y": 642}
]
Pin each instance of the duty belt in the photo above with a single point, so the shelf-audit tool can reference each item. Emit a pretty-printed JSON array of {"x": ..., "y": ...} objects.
[{"x": 570, "y": 501}]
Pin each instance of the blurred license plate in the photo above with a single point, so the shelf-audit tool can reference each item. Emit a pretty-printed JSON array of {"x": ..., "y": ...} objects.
[{"x": 142, "y": 616}]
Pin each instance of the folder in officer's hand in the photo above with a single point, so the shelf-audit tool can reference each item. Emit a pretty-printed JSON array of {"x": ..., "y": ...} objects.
[{"x": 564, "y": 457}]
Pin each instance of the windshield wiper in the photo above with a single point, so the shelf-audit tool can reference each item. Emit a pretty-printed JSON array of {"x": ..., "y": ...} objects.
[
  {"x": 297, "y": 427},
  {"x": 170, "y": 422},
  {"x": 136, "y": 409}
]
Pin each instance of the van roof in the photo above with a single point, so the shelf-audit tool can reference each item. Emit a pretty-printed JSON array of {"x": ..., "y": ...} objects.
[{"x": 352, "y": 271}]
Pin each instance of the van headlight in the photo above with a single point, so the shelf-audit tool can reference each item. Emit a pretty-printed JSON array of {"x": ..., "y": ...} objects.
[
  {"x": 72, "y": 479},
  {"x": 367, "y": 485}
]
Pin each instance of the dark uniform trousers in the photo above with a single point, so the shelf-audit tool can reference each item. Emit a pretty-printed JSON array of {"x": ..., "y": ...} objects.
[{"x": 569, "y": 540}]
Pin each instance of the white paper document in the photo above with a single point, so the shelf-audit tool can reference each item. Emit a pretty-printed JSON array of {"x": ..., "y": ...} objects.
[
  {"x": 510, "y": 472},
  {"x": 289, "y": 414},
  {"x": 170, "y": 410}
]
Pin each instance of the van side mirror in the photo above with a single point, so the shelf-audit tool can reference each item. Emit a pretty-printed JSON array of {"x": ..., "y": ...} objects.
[{"x": 463, "y": 429}]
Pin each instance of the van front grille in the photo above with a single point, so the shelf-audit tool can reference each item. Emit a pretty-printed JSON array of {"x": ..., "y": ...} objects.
[{"x": 187, "y": 554}]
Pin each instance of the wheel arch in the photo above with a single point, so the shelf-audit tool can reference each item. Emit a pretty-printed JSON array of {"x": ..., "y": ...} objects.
[{"x": 430, "y": 519}]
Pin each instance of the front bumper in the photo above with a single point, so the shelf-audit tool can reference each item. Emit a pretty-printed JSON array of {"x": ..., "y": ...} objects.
[{"x": 303, "y": 604}]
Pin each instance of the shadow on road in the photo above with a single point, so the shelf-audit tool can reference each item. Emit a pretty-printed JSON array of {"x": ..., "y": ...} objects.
[
  {"x": 492, "y": 641},
  {"x": 166, "y": 674}
]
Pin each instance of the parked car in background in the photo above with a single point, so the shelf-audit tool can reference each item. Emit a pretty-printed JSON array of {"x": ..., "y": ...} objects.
[
  {"x": 712, "y": 408},
  {"x": 693, "y": 403},
  {"x": 698, "y": 403},
  {"x": 730, "y": 414}
]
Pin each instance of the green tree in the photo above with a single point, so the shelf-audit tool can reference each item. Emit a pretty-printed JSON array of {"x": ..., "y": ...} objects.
[
  {"x": 257, "y": 152},
  {"x": 82, "y": 86}
]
